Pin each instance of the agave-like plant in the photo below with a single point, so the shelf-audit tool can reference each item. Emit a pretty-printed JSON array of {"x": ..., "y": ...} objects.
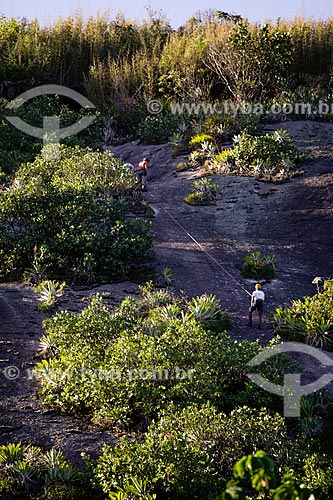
[
  {"x": 176, "y": 138},
  {"x": 47, "y": 347},
  {"x": 281, "y": 135},
  {"x": 207, "y": 188},
  {"x": 135, "y": 488},
  {"x": 53, "y": 458},
  {"x": 206, "y": 308},
  {"x": 312, "y": 409},
  {"x": 11, "y": 453},
  {"x": 170, "y": 311},
  {"x": 321, "y": 336},
  {"x": 182, "y": 127},
  {"x": 208, "y": 149},
  {"x": 49, "y": 292},
  {"x": 62, "y": 473},
  {"x": 257, "y": 265},
  {"x": 166, "y": 276},
  {"x": 152, "y": 298},
  {"x": 24, "y": 474}
]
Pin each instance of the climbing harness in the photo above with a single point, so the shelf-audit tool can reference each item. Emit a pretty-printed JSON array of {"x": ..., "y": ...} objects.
[{"x": 199, "y": 245}]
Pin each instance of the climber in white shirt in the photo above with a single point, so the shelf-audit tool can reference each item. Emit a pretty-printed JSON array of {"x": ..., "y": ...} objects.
[{"x": 257, "y": 303}]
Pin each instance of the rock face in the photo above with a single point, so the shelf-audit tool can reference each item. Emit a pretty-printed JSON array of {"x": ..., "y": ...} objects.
[{"x": 293, "y": 221}]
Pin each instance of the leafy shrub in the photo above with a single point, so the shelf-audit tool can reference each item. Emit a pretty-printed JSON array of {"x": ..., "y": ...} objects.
[
  {"x": 206, "y": 192},
  {"x": 222, "y": 128},
  {"x": 252, "y": 63},
  {"x": 74, "y": 209},
  {"x": 261, "y": 470},
  {"x": 123, "y": 366},
  {"x": 178, "y": 143},
  {"x": 318, "y": 475},
  {"x": 199, "y": 139},
  {"x": 188, "y": 454},
  {"x": 166, "y": 276},
  {"x": 309, "y": 320},
  {"x": 157, "y": 129},
  {"x": 250, "y": 122},
  {"x": 259, "y": 266},
  {"x": 270, "y": 157}
]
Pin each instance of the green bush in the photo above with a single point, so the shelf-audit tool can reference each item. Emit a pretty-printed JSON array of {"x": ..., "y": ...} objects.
[
  {"x": 253, "y": 63},
  {"x": 259, "y": 266},
  {"x": 309, "y": 320},
  {"x": 318, "y": 475},
  {"x": 222, "y": 128},
  {"x": 71, "y": 212},
  {"x": 198, "y": 139},
  {"x": 157, "y": 129},
  {"x": 269, "y": 157},
  {"x": 189, "y": 454},
  {"x": 196, "y": 199},
  {"x": 123, "y": 366},
  {"x": 260, "y": 470},
  {"x": 205, "y": 192}
]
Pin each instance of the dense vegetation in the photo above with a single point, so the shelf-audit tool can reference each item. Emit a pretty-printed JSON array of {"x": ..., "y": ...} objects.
[
  {"x": 160, "y": 371},
  {"x": 68, "y": 49},
  {"x": 308, "y": 320},
  {"x": 121, "y": 65},
  {"x": 66, "y": 216},
  {"x": 17, "y": 147}
]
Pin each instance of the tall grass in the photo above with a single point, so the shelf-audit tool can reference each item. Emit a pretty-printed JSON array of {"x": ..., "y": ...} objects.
[
  {"x": 66, "y": 49},
  {"x": 313, "y": 43},
  {"x": 126, "y": 62}
]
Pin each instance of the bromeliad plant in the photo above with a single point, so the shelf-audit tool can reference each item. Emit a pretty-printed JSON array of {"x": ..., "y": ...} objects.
[
  {"x": 207, "y": 309},
  {"x": 205, "y": 192},
  {"x": 49, "y": 293},
  {"x": 270, "y": 157},
  {"x": 27, "y": 472},
  {"x": 259, "y": 266},
  {"x": 309, "y": 320}
]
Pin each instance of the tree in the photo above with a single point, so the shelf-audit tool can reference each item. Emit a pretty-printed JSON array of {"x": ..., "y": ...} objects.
[{"x": 253, "y": 63}]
